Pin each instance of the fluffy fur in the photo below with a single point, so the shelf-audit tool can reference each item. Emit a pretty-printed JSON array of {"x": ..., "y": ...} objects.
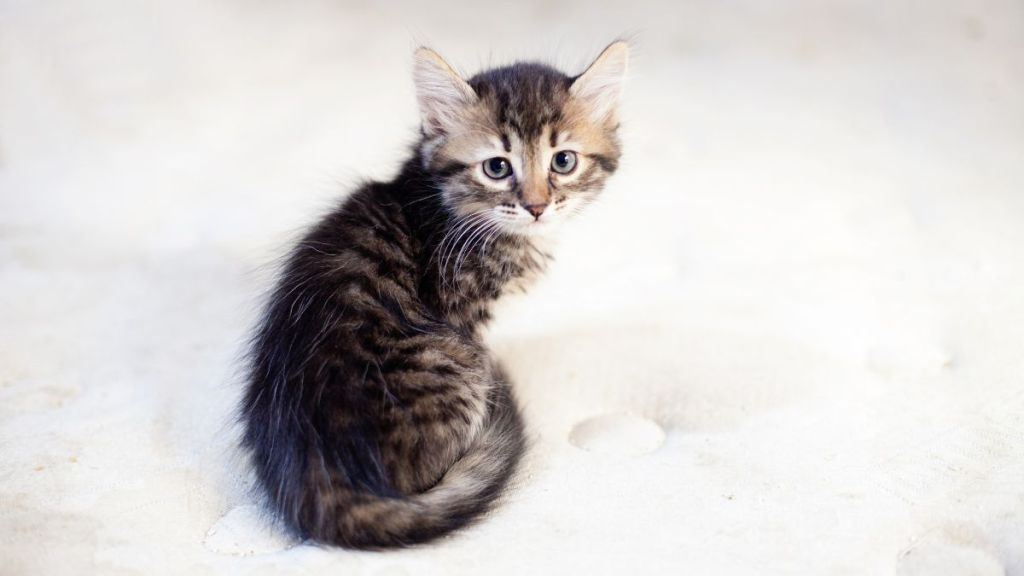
[{"x": 373, "y": 413}]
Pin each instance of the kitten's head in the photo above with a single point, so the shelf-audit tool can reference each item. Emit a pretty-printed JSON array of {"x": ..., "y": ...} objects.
[{"x": 523, "y": 146}]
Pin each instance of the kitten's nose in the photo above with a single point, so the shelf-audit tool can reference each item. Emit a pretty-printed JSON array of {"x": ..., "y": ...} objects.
[{"x": 536, "y": 209}]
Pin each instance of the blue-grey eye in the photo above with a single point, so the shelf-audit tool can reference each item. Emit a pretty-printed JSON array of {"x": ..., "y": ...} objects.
[
  {"x": 564, "y": 162},
  {"x": 497, "y": 168}
]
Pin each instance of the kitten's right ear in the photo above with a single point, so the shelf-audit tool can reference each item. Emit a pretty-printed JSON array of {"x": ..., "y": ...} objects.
[{"x": 442, "y": 94}]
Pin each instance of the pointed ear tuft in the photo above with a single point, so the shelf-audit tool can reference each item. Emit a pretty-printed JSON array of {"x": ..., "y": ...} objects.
[
  {"x": 601, "y": 83},
  {"x": 441, "y": 93}
]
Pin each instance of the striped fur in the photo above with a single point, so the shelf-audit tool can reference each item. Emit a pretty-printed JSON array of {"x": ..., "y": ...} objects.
[{"x": 373, "y": 413}]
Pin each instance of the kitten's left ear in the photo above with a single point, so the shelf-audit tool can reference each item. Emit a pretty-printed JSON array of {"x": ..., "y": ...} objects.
[
  {"x": 442, "y": 94},
  {"x": 601, "y": 83}
]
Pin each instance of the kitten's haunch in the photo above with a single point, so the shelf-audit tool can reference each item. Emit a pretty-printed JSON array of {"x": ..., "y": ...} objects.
[{"x": 374, "y": 415}]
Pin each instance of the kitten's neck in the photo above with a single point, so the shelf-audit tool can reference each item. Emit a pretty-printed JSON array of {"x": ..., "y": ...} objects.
[{"x": 465, "y": 265}]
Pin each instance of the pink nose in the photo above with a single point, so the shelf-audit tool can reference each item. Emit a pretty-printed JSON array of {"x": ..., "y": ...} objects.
[{"x": 535, "y": 209}]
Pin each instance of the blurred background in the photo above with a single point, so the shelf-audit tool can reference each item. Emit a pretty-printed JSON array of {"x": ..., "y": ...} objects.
[{"x": 789, "y": 339}]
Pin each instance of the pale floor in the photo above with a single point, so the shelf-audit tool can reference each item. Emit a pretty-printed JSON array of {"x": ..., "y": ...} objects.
[{"x": 800, "y": 305}]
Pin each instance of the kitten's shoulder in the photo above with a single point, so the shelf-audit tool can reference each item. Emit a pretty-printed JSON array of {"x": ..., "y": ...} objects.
[{"x": 372, "y": 205}]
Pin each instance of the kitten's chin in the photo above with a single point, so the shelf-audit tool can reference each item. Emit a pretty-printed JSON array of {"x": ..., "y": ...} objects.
[{"x": 536, "y": 229}]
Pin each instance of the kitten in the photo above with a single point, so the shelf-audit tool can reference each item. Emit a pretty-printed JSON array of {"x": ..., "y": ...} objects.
[{"x": 374, "y": 415}]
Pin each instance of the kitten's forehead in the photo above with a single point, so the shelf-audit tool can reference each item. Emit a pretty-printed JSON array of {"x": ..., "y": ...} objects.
[{"x": 524, "y": 97}]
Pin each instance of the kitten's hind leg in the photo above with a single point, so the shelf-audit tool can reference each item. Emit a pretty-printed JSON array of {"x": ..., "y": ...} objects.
[{"x": 437, "y": 403}]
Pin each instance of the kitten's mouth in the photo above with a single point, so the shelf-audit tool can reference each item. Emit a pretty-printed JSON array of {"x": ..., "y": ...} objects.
[
  {"x": 516, "y": 222},
  {"x": 541, "y": 226}
]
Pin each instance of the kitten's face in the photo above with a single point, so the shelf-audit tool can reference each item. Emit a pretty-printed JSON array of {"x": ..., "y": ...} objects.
[{"x": 524, "y": 147}]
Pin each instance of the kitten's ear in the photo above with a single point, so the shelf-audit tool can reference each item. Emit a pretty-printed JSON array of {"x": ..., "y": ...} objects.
[
  {"x": 600, "y": 84},
  {"x": 442, "y": 94}
]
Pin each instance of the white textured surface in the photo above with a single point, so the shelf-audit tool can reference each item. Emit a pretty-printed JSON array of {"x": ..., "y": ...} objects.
[
  {"x": 617, "y": 433},
  {"x": 809, "y": 273}
]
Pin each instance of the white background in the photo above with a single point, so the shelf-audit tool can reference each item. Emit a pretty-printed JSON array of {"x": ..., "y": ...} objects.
[{"x": 809, "y": 273}]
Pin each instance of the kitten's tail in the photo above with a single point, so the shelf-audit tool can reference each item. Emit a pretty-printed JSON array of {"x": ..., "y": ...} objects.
[{"x": 466, "y": 491}]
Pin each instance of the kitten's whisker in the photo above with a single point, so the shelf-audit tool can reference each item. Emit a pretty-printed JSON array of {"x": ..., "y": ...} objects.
[
  {"x": 467, "y": 249},
  {"x": 426, "y": 197},
  {"x": 468, "y": 223},
  {"x": 494, "y": 234},
  {"x": 464, "y": 229},
  {"x": 451, "y": 230},
  {"x": 467, "y": 245}
]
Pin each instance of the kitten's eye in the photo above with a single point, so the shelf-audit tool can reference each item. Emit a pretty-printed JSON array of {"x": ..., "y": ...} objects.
[
  {"x": 497, "y": 168},
  {"x": 564, "y": 162}
]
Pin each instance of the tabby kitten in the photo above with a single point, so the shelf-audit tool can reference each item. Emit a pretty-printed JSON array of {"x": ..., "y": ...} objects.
[{"x": 373, "y": 413}]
